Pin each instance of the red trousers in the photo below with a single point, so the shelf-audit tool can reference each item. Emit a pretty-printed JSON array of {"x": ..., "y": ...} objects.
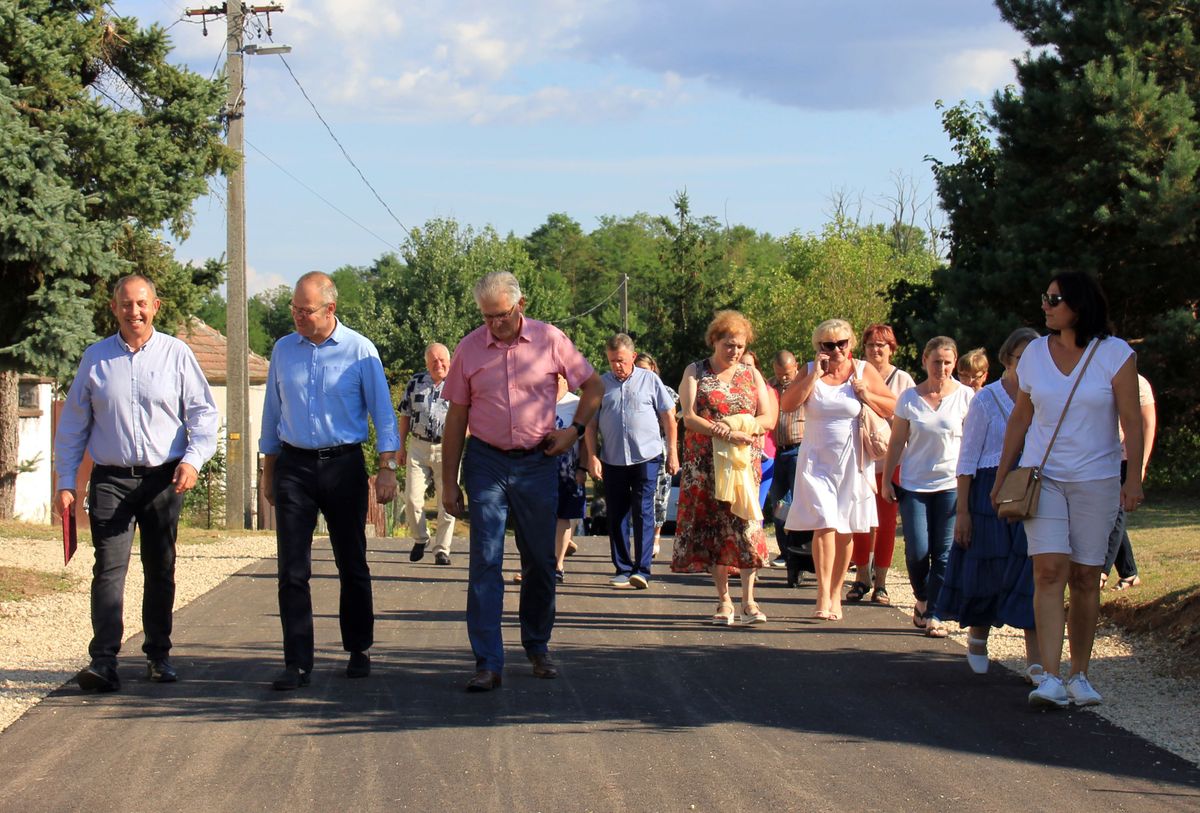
[{"x": 882, "y": 538}]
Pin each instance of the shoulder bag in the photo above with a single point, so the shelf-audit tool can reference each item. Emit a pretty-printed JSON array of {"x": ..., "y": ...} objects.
[
  {"x": 1018, "y": 495},
  {"x": 875, "y": 431}
]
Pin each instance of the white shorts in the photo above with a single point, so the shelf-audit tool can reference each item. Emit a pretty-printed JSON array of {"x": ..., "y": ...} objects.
[{"x": 1075, "y": 519}]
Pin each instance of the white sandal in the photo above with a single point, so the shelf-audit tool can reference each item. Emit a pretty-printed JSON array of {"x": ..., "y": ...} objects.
[
  {"x": 1034, "y": 674},
  {"x": 979, "y": 663}
]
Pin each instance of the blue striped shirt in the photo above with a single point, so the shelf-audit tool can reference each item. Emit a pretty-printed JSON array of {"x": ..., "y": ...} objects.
[
  {"x": 136, "y": 409},
  {"x": 628, "y": 419},
  {"x": 320, "y": 395}
]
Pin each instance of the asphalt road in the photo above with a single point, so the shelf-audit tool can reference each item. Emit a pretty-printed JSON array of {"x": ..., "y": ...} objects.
[{"x": 655, "y": 711}]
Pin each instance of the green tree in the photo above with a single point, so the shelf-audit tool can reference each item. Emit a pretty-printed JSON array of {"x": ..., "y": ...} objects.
[
  {"x": 103, "y": 144},
  {"x": 1091, "y": 162}
]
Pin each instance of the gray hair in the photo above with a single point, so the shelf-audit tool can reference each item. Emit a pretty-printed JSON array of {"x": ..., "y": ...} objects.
[
  {"x": 940, "y": 343},
  {"x": 1020, "y": 336},
  {"x": 429, "y": 348},
  {"x": 128, "y": 278},
  {"x": 324, "y": 284},
  {"x": 619, "y": 341},
  {"x": 495, "y": 284}
]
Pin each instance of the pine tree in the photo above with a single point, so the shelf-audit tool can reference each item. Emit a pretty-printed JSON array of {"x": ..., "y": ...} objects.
[
  {"x": 102, "y": 144},
  {"x": 1091, "y": 162}
]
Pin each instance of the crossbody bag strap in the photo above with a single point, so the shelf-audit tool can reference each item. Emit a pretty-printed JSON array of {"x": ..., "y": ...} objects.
[
  {"x": 888, "y": 383},
  {"x": 999, "y": 405},
  {"x": 1054, "y": 437}
]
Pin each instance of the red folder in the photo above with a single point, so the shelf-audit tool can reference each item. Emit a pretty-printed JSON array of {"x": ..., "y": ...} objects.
[{"x": 70, "y": 536}]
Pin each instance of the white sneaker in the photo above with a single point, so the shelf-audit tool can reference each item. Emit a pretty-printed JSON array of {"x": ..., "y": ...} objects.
[
  {"x": 1050, "y": 693},
  {"x": 1081, "y": 692}
]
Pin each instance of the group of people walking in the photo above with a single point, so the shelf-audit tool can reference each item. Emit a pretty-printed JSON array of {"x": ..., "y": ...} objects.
[{"x": 497, "y": 429}]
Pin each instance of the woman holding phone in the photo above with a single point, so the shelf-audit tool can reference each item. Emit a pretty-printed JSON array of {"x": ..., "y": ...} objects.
[{"x": 833, "y": 495}]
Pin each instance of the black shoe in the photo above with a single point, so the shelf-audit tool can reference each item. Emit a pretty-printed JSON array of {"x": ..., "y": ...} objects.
[
  {"x": 559, "y": 576},
  {"x": 442, "y": 558},
  {"x": 543, "y": 666},
  {"x": 160, "y": 670},
  {"x": 98, "y": 678},
  {"x": 417, "y": 553},
  {"x": 359, "y": 665},
  {"x": 291, "y": 678}
]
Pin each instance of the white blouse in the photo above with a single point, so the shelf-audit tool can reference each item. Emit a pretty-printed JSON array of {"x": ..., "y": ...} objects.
[
  {"x": 929, "y": 458},
  {"x": 983, "y": 430}
]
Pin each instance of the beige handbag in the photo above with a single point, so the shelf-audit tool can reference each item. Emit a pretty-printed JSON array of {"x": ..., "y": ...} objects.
[
  {"x": 876, "y": 432},
  {"x": 1018, "y": 495}
]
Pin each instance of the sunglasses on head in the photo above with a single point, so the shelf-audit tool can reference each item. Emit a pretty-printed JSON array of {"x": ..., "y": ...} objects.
[
  {"x": 1053, "y": 300},
  {"x": 840, "y": 344}
]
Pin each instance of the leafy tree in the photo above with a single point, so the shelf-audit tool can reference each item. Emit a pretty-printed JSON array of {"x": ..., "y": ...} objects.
[
  {"x": 1091, "y": 162},
  {"x": 103, "y": 142}
]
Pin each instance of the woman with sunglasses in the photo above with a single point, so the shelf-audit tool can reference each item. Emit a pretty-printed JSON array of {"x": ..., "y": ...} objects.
[
  {"x": 926, "y": 434},
  {"x": 833, "y": 495},
  {"x": 1081, "y": 479}
]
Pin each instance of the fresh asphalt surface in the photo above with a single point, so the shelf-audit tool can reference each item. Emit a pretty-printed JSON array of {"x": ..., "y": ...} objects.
[{"x": 655, "y": 710}]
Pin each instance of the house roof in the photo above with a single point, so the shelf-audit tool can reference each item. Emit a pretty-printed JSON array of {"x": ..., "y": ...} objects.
[{"x": 209, "y": 345}]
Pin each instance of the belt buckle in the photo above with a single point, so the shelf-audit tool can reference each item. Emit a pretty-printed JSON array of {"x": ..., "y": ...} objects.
[{"x": 325, "y": 454}]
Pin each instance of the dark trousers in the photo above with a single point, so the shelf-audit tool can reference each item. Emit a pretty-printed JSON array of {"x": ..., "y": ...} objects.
[
  {"x": 1120, "y": 549},
  {"x": 337, "y": 487},
  {"x": 116, "y": 504},
  {"x": 630, "y": 489},
  {"x": 525, "y": 490}
]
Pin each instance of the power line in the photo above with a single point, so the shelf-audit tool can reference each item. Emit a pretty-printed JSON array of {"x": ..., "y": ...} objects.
[
  {"x": 321, "y": 197},
  {"x": 329, "y": 130},
  {"x": 589, "y": 310}
]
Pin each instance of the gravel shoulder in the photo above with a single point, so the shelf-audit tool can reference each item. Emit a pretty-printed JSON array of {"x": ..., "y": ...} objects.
[{"x": 43, "y": 642}]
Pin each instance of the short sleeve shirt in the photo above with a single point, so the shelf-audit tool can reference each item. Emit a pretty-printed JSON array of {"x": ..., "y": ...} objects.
[
  {"x": 511, "y": 389},
  {"x": 425, "y": 407},
  {"x": 1088, "y": 447},
  {"x": 934, "y": 437},
  {"x": 629, "y": 417}
]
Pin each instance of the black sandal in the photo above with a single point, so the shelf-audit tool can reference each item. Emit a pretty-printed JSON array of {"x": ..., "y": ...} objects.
[
  {"x": 880, "y": 596},
  {"x": 857, "y": 591}
]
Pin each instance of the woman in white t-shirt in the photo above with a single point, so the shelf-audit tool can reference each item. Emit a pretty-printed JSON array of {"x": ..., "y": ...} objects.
[
  {"x": 1081, "y": 484},
  {"x": 926, "y": 433}
]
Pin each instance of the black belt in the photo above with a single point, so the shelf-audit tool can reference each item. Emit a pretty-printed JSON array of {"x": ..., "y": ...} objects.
[
  {"x": 509, "y": 452},
  {"x": 134, "y": 471},
  {"x": 789, "y": 447},
  {"x": 326, "y": 453}
]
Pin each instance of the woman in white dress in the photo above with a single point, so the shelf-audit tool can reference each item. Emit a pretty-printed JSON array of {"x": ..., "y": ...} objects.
[{"x": 834, "y": 491}]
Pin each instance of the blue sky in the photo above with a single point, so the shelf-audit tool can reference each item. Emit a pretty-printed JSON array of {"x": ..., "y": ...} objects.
[{"x": 502, "y": 112}]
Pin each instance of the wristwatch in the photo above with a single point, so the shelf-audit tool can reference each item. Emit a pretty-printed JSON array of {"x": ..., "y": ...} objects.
[
  {"x": 579, "y": 428},
  {"x": 391, "y": 463}
]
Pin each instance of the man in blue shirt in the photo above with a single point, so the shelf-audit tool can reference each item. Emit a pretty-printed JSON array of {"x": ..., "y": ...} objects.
[
  {"x": 323, "y": 382},
  {"x": 635, "y": 405},
  {"x": 423, "y": 415},
  {"x": 141, "y": 408}
]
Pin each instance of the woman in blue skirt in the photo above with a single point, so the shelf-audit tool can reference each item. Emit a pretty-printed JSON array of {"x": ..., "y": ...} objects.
[{"x": 989, "y": 578}]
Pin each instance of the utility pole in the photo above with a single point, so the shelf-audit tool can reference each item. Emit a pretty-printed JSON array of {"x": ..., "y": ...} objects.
[
  {"x": 238, "y": 457},
  {"x": 625, "y": 303}
]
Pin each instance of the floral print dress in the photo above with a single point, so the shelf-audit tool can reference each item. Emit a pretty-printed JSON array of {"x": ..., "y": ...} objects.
[{"x": 707, "y": 532}]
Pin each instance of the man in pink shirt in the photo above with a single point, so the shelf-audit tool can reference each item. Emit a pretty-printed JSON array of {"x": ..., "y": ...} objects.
[{"x": 503, "y": 386}]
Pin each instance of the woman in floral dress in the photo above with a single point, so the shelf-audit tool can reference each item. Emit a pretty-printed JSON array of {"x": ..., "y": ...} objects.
[{"x": 709, "y": 536}]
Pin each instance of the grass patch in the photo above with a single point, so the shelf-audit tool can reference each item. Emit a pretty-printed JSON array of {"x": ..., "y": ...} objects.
[
  {"x": 19, "y": 584},
  {"x": 11, "y": 529},
  {"x": 1166, "y": 543}
]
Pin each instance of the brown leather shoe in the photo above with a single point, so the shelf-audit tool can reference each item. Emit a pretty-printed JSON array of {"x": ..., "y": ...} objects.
[
  {"x": 484, "y": 681},
  {"x": 543, "y": 667}
]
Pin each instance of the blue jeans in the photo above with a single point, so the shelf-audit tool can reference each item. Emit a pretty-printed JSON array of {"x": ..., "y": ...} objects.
[
  {"x": 928, "y": 518},
  {"x": 524, "y": 489},
  {"x": 781, "y": 488},
  {"x": 631, "y": 489}
]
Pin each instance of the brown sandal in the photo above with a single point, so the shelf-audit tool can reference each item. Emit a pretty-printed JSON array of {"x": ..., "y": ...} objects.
[{"x": 880, "y": 596}]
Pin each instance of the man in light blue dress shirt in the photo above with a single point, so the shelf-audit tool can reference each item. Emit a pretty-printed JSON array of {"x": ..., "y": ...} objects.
[
  {"x": 635, "y": 406},
  {"x": 141, "y": 408},
  {"x": 324, "y": 380}
]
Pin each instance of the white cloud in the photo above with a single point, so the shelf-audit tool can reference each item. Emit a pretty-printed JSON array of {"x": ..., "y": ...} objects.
[{"x": 257, "y": 282}]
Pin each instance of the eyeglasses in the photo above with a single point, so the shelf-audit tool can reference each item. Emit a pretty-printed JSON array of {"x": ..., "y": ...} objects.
[
  {"x": 1053, "y": 300},
  {"x": 298, "y": 311},
  {"x": 500, "y": 317},
  {"x": 840, "y": 344}
]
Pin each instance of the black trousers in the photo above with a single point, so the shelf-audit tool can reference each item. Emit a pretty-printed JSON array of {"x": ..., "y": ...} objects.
[
  {"x": 337, "y": 487},
  {"x": 117, "y": 503}
]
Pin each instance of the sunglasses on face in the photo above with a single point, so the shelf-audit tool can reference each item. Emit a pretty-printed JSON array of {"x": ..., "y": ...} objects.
[
  {"x": 1053, "y": 300},
  {"x": 840, "y": 344}
]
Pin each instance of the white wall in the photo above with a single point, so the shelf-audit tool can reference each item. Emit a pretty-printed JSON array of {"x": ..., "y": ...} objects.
[{"x": 34, "y": 488}]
